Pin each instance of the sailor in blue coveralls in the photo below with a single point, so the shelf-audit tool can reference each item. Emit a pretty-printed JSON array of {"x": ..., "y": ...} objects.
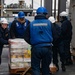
[
  {"x": 39, "y": 35},
  {"x": 18, "y": 26}
]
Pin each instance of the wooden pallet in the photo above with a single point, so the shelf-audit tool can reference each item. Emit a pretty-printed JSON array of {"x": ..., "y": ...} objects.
[{"x": 20, "y": 71}]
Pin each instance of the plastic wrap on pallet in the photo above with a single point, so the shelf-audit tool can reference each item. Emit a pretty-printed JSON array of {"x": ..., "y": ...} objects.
[
  {"x": 20, "y": 54},
  {"x": 19, "y": 65},
  {"x": 19, "y": 43}
]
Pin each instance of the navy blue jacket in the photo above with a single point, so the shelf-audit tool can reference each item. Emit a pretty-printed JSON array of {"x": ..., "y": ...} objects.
[
  {"x": 39, "y": 32},
  {"x": 17, "y": 29},
  {"x": 4, "y": 36},
  {"x": 66, "y": 29},
  {"x": 56, "y": 33}
]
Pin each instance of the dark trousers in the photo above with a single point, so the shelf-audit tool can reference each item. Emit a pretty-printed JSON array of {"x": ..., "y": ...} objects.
[
  {"x": 41, "y": 55},
  {"x": 67, "y": 50},
  {"x": 1, "y": 47},
  {"x": 62, "y": 52},
  {"x": 55, "y": 55},
  {"x": 58, "y": 49}
]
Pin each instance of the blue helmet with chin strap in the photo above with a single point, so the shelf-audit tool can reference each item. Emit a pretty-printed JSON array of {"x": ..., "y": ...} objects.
[
  {"x": 21, "y": 14},
  {"x": 41, "y": 10}
]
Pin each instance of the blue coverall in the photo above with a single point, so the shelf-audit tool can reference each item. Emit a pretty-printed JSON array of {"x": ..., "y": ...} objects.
[
  {"x": 39, "y": 35},
  {"x": 17, "y": 29}
]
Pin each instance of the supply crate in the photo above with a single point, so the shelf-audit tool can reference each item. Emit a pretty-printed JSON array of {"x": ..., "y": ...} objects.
[{"x": 19, "y": 57}]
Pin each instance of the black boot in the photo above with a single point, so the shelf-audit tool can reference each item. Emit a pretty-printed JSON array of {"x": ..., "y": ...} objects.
[
  {"x": 57, "y": 67},
  {"x": 63, "y": 68}
]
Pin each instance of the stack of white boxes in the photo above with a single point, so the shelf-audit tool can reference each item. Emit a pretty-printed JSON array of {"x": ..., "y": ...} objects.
[{"x": 20, "y": 54}]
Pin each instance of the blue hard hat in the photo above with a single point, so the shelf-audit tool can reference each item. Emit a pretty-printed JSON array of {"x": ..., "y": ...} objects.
[
  {"x": 21, "y": 14},
  {"x": 41, "y": 10}
]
